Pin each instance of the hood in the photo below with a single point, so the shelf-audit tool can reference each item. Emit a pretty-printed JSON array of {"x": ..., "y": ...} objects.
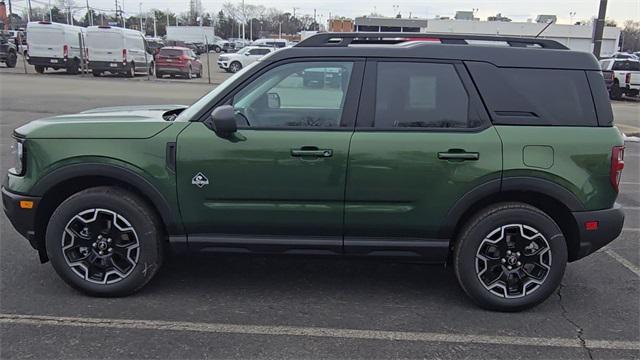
[{"x": 122, "y": 122}]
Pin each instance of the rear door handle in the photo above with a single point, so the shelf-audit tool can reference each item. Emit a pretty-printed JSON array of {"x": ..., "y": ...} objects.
[
  {"x": 311, "y": 151},
  {"x": 458, "y": 154}
]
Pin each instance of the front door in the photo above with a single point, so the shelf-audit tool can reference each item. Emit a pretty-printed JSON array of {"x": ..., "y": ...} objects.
[
  {"x": 422, "y": 141},
  {"x": 281, "y": 177}
]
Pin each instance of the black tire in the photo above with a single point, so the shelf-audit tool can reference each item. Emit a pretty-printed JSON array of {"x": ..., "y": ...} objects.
[
  {"x": 235, "y": 66},
  {"x": 501, "y": 219},
  {"x": 152, "y": 67},
  {"x": 73, "y": 67},
  {"x": 39, "y": 69},
  {"x": 159, "y": 75},
  {"x": 96, "y": 73},
  {"x": 615, "y": 93},
  {"x": 189, "y": 73},
  {"x": 12, "y": 59},
  {"x": 217, "y": 49},
  {"x": 135, "y": 215},
  {"x": 131, "y": 70}
]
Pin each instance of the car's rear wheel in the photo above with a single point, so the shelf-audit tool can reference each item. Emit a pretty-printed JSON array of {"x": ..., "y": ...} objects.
[
  {"x": 235, "y": 66},
  {"x": 96, "y": 73},
  {"x": 152, "y": 67},
  {"x": 39, "y": 69},
  {"x": 218, "y": 49},
  {"x": 189, "y": 73},
  {"x": 510, "y": 256},
  {"x": 12, "y": 59},
  {"x": 73, "y": 67},
  {"x": 131, "y": 71},
  {"x": 104, "y": 241},
  {"x": 615, "y": 93}
]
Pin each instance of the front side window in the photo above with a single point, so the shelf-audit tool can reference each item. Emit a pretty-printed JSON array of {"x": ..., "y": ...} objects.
[
  {"x": 304, "y": 94},
  {"x": 420, "y": 95}
]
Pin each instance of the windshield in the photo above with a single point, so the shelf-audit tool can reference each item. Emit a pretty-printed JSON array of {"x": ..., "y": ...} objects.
[
  {"x": 189, "y": 113},
  {"x": 242, "y": 51}
]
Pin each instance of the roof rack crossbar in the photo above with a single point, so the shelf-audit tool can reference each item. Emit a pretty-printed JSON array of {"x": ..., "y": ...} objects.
[{"x": 331, "y": 39}]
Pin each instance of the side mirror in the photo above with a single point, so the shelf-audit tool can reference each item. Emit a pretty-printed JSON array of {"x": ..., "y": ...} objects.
[
  {"x": 273, "y": 101},
  {"x": 223, "y": 120},
  {"x": 247, "y": 54}
]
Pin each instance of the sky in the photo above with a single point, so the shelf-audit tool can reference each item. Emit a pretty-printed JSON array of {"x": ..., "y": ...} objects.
[{"x": 568, "y": 11}]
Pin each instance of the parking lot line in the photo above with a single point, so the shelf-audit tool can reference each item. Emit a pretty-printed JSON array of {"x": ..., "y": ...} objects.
[
  {"x": 38, "y": 320},
  {"x": 626, "y": 263}
]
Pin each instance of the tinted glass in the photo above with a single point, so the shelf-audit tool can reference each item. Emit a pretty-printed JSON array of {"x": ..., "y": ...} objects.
[
  {"x": 423, "y": 95},
  {"x": 626, "y": 65},
  {"x": 171, "y": 52},
  {"x": 306, "y": 94},
  {"x": 518, "y": 96}
]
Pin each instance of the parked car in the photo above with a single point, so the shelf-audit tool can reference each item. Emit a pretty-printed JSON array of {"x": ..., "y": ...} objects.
[
  {"x": 239, "y": 43},
  {"x": 181, "y": 61},
  {"x": 624, "y": 55},
  {"x": 154, "y": 45},
  {"x": 118, "y": 50},
  {"x": 198, "y": 48},
  {"x": 276, "y": 43},
  {"x": 445, "y": 152},
  {"x": 245, "y": 56},
  {"x": 626, "y": 76},
  {"x": 8, "y": 51},
  {"x": 55, "y": 46}
]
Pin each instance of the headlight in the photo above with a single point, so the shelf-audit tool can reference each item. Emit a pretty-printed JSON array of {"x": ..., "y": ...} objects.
[
  {"x": 17, "y": 152},
  {"x": 222, "y": 58}
]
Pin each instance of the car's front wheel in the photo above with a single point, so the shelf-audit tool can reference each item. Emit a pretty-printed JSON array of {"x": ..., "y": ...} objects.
[
  {"x": 510, "y": 256},
  {"x": 12, "y": 59},
  {"x": 235, "y": 66},
  {"x": 104, "y": 241}
]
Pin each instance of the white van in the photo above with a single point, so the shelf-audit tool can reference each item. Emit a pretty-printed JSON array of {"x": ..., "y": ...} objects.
[
  {"x": 54, "y": 45},
  {"x": 118, "y": 51},
  {"x": 275, "y": 43}
]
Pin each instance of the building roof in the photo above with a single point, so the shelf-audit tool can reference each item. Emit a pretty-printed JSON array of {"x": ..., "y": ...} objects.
[{"x": 389, "y": 21}]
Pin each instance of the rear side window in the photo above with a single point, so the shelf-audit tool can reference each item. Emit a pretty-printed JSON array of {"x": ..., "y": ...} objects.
[
  {"x": 420, "y": 95},
  {"x": 518, "y": 96}
]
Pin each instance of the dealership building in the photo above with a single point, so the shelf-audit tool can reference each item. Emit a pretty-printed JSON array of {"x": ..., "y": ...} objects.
[{"x": 575, "y": 37}]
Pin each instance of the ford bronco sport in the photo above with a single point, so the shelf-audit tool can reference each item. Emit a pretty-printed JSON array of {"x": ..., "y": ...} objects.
[{"x": 494, "y": 154}]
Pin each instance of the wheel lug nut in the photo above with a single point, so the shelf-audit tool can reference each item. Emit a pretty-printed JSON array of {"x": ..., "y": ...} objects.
[
  {"x": 508, "y": 252},
  {"x": 99, "y": 236},
  {"x": 518, "y": 263},
  {"x": 101, "y": 252},
  {"x": 109, "y": 240},
  {"x": 503, "y": 260},
  {"x": 518, "y": 253},
  {"x": 95, "y": 244},
  {"x": 110, "y": 249},
  {"x": 509, "y": 267}
]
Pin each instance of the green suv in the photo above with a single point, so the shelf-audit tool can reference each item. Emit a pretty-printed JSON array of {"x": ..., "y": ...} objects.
[{"x": 494, "y": 154}]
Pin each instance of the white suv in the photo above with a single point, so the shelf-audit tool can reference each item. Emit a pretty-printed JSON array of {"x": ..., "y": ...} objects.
[{"x": 245, "y": 56}]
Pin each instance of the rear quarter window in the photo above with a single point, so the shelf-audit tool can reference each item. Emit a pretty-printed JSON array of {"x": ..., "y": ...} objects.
[
  {"x": 524, "y": 96},
  {"x": 626, "y": 65}
]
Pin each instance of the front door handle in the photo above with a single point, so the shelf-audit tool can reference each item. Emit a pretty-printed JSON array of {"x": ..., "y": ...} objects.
[
  {"x": 458, "y": 154},
  {"x": 311, "y": 151}
]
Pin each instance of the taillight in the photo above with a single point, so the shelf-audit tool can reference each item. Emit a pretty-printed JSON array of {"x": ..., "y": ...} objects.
[
  {"x": 124, "y": 55},
  {"x": 627, "y": 79},
  {"x": 617, "y": 164},
  {"x": 184, "y": 57},
  {"x": 65, "y": 51}
]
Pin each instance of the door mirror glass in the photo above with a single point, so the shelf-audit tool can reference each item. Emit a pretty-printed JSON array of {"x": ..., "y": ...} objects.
[
  {"x": 273, "y": 100},
  {"x": 223, "y": 120}
]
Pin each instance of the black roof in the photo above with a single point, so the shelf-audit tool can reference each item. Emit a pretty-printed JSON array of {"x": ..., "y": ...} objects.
[{"x": 504, "y": 52}]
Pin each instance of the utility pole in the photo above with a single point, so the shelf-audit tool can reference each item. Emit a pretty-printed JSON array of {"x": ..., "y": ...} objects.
[
  {"x": 598, "y": 28},
  {"x": 314, "y": 18},
  {"x": 89, "y": 14},
  {"x": 124, "y": 21},
  {"x": 29, "y": 13},
  {"x": 244, "y": 19},
  {"x": 10, "y": 13},
  {"x": 155, "y": 27},
  {"x": 116, "y": 13},
  {"x": 144, "y": 33},
  {"x": 294, "y": 11}
]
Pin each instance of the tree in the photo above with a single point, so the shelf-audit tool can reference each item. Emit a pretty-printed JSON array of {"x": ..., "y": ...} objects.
[{"x": 630, "y": 36}]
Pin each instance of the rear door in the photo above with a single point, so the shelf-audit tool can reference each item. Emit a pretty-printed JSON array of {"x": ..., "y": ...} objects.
[
  {"x": 422, "y": 141},
  {"x": 281, "y": 177},
  {"x": 105, "y": 45},
  {"x": 46, "y": 40}
]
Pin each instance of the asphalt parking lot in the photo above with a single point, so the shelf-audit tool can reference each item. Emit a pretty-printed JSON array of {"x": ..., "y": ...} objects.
[{"x": 295, "y": 307}]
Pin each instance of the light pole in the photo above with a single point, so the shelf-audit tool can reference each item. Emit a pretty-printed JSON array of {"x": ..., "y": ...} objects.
[
  {"x": 140, "y": 5},
  {"x": 571, "y": 15}
]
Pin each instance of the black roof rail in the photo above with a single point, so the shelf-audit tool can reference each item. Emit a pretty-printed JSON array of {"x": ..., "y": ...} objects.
[{"x": 337, "y": 39}]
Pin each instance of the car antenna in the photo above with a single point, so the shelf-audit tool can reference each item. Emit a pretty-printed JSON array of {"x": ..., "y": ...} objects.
[{"x": 543, "y": 29}]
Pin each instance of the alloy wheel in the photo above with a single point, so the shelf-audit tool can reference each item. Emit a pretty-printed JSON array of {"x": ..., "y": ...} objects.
[
  {"x": 513, "y": 261},
  {"x": 100, "y": 246}
]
